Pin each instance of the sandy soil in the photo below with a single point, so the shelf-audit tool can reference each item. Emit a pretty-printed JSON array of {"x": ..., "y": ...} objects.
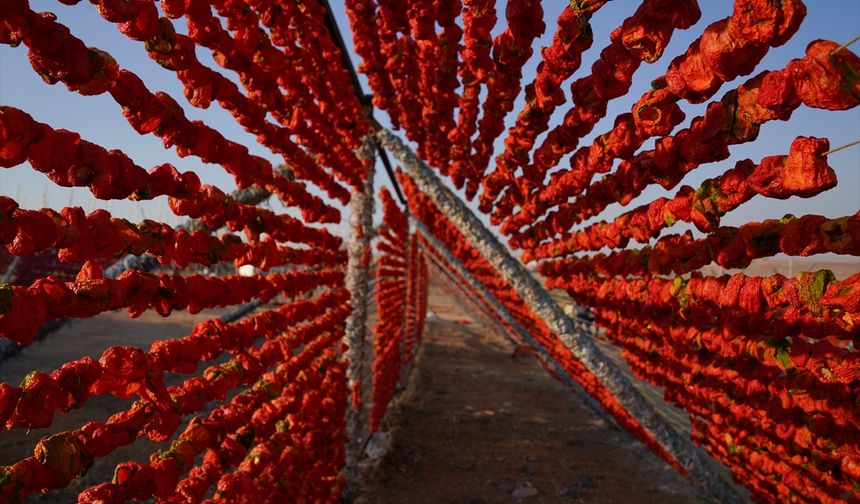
[{"x": 479, "y": 424}]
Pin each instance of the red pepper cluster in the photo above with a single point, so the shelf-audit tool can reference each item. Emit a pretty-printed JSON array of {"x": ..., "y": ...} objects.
[
  {"x": 389, "y": 331},
  {"x": 368, "y": 44},
  {"x": 415, "y": 69},
  {"x": 804, "y": 173},
  {"x": 419, "y": 88},
  {"x": 767, "y": 368},
  {"x": 479, "y": 17},
  {"x": 807, "y": 436},
  {"x": 511, "y": 50},
  {"x": 642, "y": 37},
  {"x": 70, "y": 161},
  {"x": 78, "y": 236},
  {"x": 336, "y": 118},
  {"x": 391, "y": 296},
  {"x": 416, "y": 299},
  {"x": 401, "y": 65},
  {"x": 815, "y": 304},
  {"x": 560, "y": 60},
  {"x": 296, "y": 63},
  {"x": 439, "y": 106},
  {"x": 733, "y": 120},
  {"x": 284, "y": 436},
  {"x": 176, "y": 52},
  {"x": 727, "y": 49},
  {"x": 282, "y": 433},
  {"x": 25, "y": 309},
  {"x": 129, "y": 372},
  {"x": 729, "y": 247},
  {"x": 58, "y": 56},
  {"x": 437, "y": 72}
]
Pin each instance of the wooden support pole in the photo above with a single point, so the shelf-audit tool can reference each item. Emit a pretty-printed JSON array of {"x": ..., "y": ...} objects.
[{"x": 358, "y": 284}]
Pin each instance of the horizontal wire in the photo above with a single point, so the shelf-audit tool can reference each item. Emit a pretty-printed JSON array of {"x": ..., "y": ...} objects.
[
  {"x": 837, "y": 149},
  {"x": 846, "y": 44}
]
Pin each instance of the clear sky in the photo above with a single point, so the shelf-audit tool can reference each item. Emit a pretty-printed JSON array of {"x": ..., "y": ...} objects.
[{"x": 98, "y": 118}]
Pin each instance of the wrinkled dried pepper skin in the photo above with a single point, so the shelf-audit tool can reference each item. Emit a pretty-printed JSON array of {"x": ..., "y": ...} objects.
[{"x": 767, "y": 366}]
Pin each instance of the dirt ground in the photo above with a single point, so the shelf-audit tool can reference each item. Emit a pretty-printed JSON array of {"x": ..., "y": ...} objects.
[{"x": 479, "y": 424}]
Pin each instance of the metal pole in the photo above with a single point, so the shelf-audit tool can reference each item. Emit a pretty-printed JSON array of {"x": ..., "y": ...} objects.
[
  {"x": 10, "y": 270},
  {"x": 542, "y": 304},
  {"x": 387, "y": 164},
  {"x": 241, "y": 311},
  {"x": 358, "y": 285},
  {"x": 365, "y": 99}
]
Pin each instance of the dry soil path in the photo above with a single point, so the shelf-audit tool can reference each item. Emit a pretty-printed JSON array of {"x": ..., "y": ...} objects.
[{"x": 480, "y": 425}]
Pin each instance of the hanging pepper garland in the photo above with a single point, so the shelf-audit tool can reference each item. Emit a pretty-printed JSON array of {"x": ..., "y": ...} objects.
[
  {"x": 814, "y": 467},
  {"x": 26, "y": 232},
  {"x": 415, "y": 300},
  {"x": 25, "y": 309},
  {"x": 401, "y": 65},
  {"x": 363, "y": 18},
  {"x": 764, "y": 98},
  {"x": 642, "y": 37},
  {"x": 733, "y": 120},
  {"x": 309, "y": 51},
  {"x": 313, "y": 410},
  {"x": 479, "y": 17},
  {"x": 767, "y": 367},
  {"x": 511, "y": 50},
  {"x": 156, "y": 416},
  {"x": 70, "y": 161},
  {"x": 90, "y": 71},
  {"x": 444, "y": 100},
  {"x": 395, "y": 321},
  {"x": 729, "y": 247},
  {"x": 728, "y": 49},
  {"x": 804, "y": 173},
  {"x": 257, "y": 61},
  {"x": 422, "y": 31},
  {"x": 202, "y": 85},
  {"x": 78, "y": 236},
  {"x": 127, "y": 371}
]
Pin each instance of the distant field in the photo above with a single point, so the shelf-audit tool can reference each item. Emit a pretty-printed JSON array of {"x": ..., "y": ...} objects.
[
  {"x": 842, "y": 268},
  {"x": 784, "y": 266}
]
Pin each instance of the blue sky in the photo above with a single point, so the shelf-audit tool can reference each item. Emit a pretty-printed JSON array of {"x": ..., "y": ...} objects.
[{"x": 98, "y": 118}]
